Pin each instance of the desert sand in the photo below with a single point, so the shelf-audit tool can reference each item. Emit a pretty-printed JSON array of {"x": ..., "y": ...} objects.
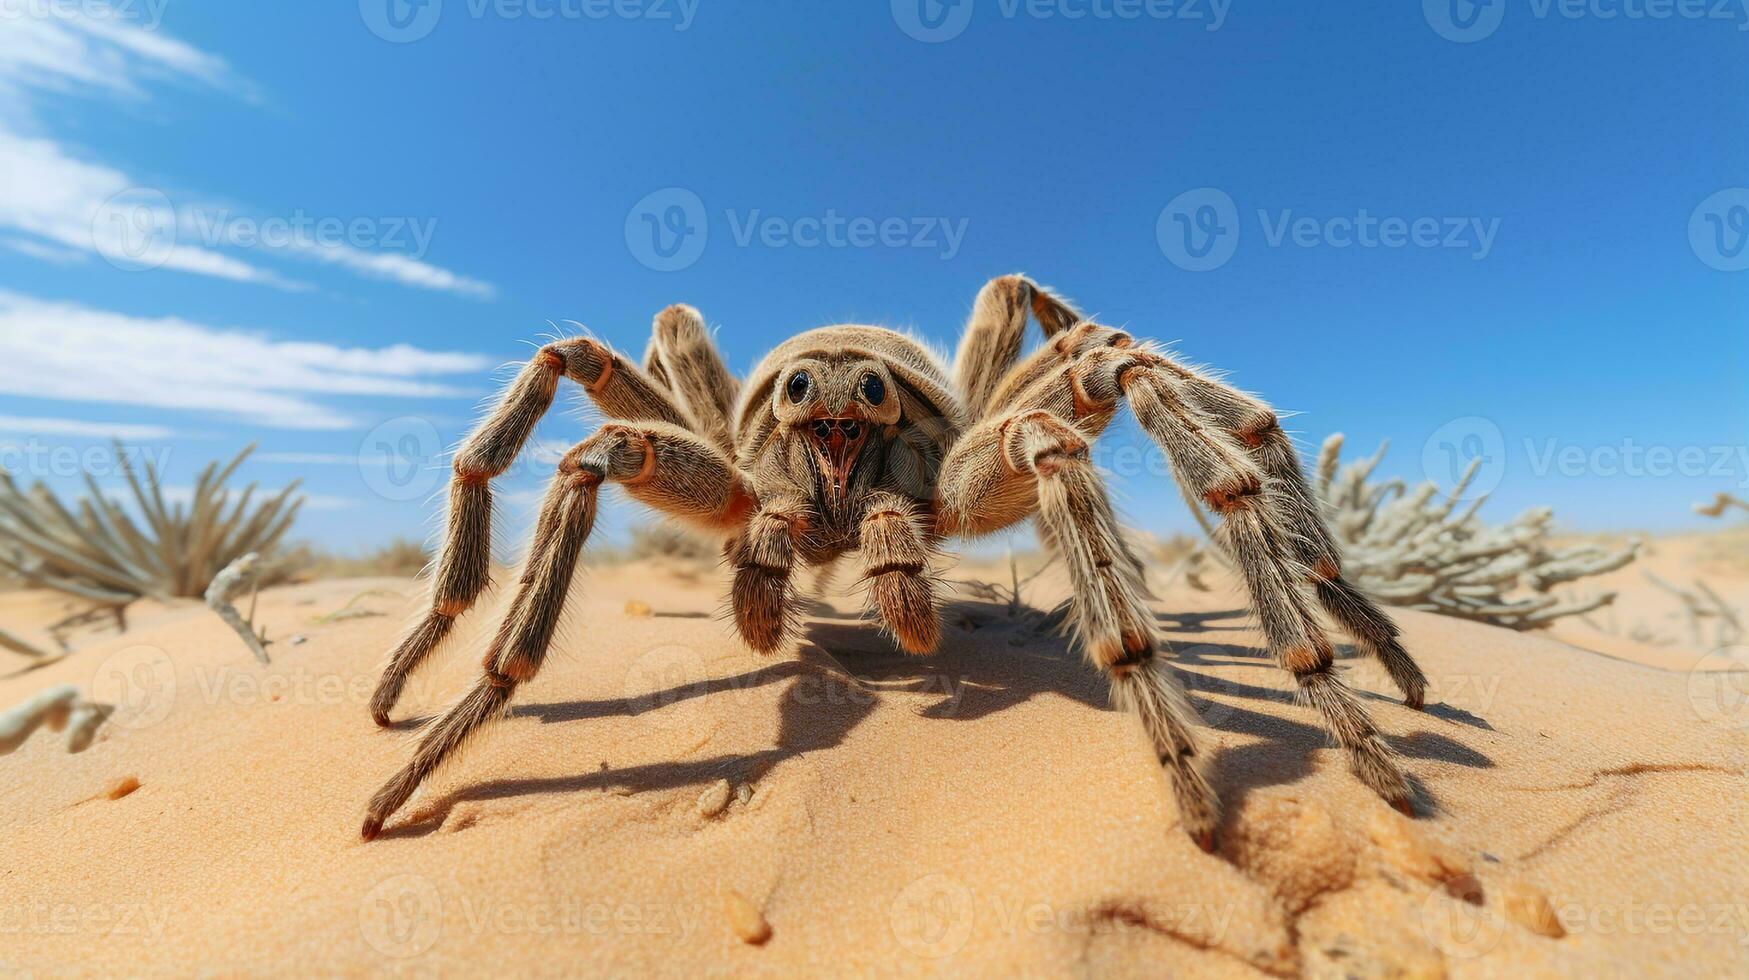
[{"x": 659, "y": 798}]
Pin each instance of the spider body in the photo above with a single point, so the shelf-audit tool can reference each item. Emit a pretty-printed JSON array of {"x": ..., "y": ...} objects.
[{"x": 856, "y": 442}]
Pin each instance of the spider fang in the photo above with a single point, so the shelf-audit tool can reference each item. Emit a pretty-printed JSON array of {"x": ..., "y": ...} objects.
[{"x": 837, "y": 443}]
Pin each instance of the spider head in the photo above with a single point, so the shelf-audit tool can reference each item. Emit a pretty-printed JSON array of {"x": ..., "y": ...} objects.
[{"x": 836, "y": 405}]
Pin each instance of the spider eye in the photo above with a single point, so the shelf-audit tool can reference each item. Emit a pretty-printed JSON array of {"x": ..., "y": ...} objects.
[
  {"x": 874, "y": 389},
  {"x": 799, "y": 386}
]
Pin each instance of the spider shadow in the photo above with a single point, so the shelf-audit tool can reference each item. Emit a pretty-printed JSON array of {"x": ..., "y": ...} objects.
[
  {"x": 844, "y": 667},
  {"x": 1286, "y": 745}
]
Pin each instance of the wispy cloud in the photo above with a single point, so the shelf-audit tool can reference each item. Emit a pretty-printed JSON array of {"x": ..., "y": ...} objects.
[
  {"x": 60, "y": 196},
  {"x": 47, "y": 253},
  {"x": 79, "y": 427},
  {"x": 66, "y": 351},
  {"x": 91, "y": 48},
  {"x": 95, "y": 209}
]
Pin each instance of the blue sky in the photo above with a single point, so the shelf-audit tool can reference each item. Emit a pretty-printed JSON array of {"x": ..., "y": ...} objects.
[{"x": 1509, "y": 228}]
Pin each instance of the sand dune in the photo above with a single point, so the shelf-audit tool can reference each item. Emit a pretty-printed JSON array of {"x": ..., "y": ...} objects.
[{"x": 660, "y": 798}]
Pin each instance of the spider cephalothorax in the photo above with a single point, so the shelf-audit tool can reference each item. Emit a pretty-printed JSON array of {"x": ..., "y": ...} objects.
[{"x": 856, "y": 440}]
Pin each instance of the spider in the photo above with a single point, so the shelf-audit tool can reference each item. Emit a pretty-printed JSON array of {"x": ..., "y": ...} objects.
[{"x": 854, "y": 440}]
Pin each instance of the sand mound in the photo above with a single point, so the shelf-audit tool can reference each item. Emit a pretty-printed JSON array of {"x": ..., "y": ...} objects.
[{"x": 661, "y": 799}]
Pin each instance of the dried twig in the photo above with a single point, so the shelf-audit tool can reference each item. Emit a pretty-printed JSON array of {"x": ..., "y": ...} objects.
[
  {"x": 16, "y": 645},
  {"x": 228, "y": 583},
  {"x": 1719, "y": 504},
  {"x": 56, "y": 708}
]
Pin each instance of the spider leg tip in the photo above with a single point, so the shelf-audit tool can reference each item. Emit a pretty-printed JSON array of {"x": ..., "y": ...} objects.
[{"x": 373, "y": 825}]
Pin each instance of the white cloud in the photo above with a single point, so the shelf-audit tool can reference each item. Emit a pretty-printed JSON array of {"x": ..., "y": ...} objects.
[
  {"x": 47, "y": 193},
  {"x": 47, "y": 253},
  {"x": 78, "y": 427},
  {"x": 59, "y": 195},
  {"x": 65, "y": 351},
  {"x": 89, "y": 48}
]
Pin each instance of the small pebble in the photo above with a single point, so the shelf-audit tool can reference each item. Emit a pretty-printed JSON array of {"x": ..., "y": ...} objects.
[
  {"x": 119, "y": 788},
  {"x": 638, "y": 609},
  {"x": 745, "y": 918},
  {"x": 714, "y": 799},
  {"x": 298, "y": 639},
  {"x": 743, "y": 793},
  {"x": 1531, "y": 909},
  {"x": 1405, "y": 847}
]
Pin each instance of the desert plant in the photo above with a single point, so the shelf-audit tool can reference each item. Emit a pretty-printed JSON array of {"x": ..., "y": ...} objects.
[
  {"x": 99, "y": 553},
  {"x": 1414, "y": 548},
  {"x": 401, "y": 557},
  {"x": 665, "y": 540}
]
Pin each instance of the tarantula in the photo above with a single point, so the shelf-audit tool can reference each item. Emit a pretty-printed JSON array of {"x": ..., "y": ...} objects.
[{"x": 852, "y": 439}]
